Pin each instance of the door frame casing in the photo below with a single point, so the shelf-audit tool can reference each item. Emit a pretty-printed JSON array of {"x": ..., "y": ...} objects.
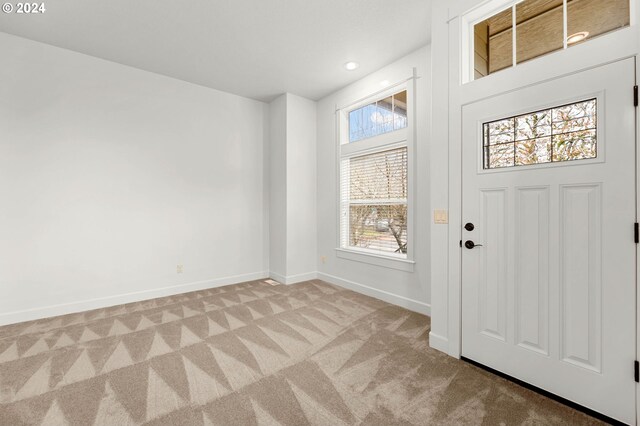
[
  {"x": 445, "y": 169},
  {"x": 446, "y": 149},
  {"x": 637, "y": 135}
]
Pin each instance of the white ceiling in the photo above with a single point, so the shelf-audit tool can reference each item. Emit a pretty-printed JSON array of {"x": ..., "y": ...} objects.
[{"x": 254, "y": 48}]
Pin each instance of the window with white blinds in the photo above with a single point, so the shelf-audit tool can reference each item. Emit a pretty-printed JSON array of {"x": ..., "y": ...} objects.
[
  {"x": 374, "y": 183},
  {"x": 374, "y": 194}
]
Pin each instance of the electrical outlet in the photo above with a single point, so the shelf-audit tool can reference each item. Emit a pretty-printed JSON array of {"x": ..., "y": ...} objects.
[
  {"x": 180, "y": 269},
  {"x": 323, "y": 259}
]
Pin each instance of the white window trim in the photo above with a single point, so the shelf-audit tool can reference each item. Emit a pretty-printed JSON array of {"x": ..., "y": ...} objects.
[
  {"x": 467, "y": 39},
  {"x": 395, "y": 139},
  {"x": 374, "y": 258}
]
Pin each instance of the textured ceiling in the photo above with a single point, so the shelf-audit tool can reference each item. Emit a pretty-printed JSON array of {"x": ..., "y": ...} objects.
[{"x": 254, "y": 48}]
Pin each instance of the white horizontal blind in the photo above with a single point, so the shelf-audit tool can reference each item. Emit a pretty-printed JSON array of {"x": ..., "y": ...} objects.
[{"x": 373, "y": 197}]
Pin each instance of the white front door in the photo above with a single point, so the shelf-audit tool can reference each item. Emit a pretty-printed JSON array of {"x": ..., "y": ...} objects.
[{"x": 549, "y": 296}]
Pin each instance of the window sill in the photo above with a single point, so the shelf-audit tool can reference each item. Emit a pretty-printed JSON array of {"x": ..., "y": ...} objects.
[{"x": 376, "y": 259}]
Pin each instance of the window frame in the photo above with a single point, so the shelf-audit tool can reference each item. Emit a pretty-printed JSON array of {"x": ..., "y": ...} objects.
[
  {"x": 490, "y": 8},
  {"x": 601, "y": 144},
  {"x": 486, "y": 146},
  {"x": 386, "y": 141}
]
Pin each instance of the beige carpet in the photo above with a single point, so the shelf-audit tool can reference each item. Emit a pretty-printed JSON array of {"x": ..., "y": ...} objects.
[{"x": 251, "y": 354}]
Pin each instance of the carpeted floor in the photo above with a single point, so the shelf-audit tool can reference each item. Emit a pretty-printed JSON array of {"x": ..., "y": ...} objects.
[{"x": 251, "y": 354}]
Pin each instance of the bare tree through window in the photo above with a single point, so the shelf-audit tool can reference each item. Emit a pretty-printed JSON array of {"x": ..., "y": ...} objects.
[
  {"x": 563, "y": 133},
  {"x": 378, "y": 201}
]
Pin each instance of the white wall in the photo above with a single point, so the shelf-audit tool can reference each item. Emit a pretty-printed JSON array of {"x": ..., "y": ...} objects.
[
  {"x": 292, "y": 210},
  {"x": 448, "y": 97},
  {"x": 278, "y": 186},
  {"x": 301, "y": 189},
  {"x": 409, "y": 289},
  {"x": 439, "y": 169},
  {"x": 111, "y": 176}
]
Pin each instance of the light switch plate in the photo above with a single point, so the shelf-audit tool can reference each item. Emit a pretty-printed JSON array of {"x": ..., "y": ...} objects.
[{"x": 441, "y": 216}]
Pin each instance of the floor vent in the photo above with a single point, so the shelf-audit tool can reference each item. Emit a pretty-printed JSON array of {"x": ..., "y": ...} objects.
[{"x": 271, "y": 282}]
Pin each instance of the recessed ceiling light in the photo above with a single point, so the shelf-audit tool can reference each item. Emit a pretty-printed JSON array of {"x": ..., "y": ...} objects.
[
  {"x": 577, "y": 37},
  {"x": 350, "y": 66},
  {"x": 384, "y": 83}
]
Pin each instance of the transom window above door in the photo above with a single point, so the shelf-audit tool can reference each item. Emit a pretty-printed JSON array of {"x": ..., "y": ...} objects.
[
  {"x": 526, "y": 29},
  {"x": 563, "y": 133}
]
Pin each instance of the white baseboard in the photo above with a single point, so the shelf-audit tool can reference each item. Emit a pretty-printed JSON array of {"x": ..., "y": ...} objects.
[
  {"x": 277, "y": 277},
  {"x": 405, "y": 302},
  {"x": 103, "y": 302},
  {"x": 293, "y": 279},
  {"x": 438, "y": 342}
]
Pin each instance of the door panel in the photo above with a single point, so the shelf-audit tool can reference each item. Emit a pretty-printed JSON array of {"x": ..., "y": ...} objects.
[
  {"x": 549, "y": 296},
  {"x": 493, "y": 297},
  {"x": 580, "y": 279},
  {"x": 532, "y": 268}
]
